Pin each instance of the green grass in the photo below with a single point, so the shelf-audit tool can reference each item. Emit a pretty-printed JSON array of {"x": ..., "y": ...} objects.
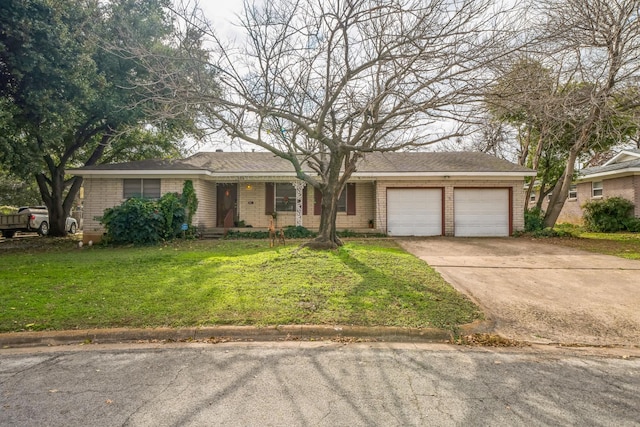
[
  {"x": 624, "y": 245},
  {"x": 201, "y": 283}
]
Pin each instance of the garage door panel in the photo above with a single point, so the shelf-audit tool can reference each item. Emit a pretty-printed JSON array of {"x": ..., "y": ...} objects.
[
  {"x": 414, "y": 211},
  {"x": 481, "y": 212}
]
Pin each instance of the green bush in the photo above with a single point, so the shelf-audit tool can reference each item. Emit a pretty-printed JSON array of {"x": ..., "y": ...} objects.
[
  {"x": 533, "y": 220},
  {"x": 632, "y": 224},
  {"x": 299, "y": 232},
  {"x": 290, "y": 232},
  {"x": 609, "y": 215},
  {"x": 143, "y": 222},
  {"x": 8, "y": 210}
]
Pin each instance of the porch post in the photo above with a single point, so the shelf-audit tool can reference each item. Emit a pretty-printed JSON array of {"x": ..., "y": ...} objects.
[{"x": 299, "y": 186}]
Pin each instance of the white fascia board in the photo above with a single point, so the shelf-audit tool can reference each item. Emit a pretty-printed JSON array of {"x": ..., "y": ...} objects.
[
  {"x": 122, "y": 173},
  {"x": 376, "y": 175},
  {"x": 618, "y": 173},
  {"x": 270, "y": 175},
  {"x": 623, "y": 153}
]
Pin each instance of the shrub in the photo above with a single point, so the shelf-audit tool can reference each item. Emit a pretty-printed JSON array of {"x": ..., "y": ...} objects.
[
  {"x": 608, "y": 215},
  {"x": 533, "y": 220},
  {"x": 173, "y": 214},
  {"x": 298, "y": 232},
  {"x": 143, "y": 222},
  {"x": 632, "y": 224},
  {"x": 8, "y": 210}
]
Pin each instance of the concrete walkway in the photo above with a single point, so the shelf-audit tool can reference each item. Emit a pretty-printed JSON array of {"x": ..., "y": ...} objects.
[{"x": 538, "y": 292}]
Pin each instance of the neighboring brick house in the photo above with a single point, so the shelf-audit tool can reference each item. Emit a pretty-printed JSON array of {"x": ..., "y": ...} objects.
[
  {"x": 619, "y": 177},
  {"x": 453, "y": 194}
]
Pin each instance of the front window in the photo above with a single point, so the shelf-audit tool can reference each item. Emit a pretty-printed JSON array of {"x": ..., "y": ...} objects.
[
  {"x": 145, "y": 188},
  {"x": 342, "y": 201},
  {"x": 285, "y": 197},
  {"x": 596, "y": 189},
  {"x": 573, "y": 191}
]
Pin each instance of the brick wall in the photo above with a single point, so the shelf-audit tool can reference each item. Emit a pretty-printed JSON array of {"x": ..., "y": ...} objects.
[
  {"x": 370, "y": 202},
  {"x": 205, "y": 216},
  {"x": 103, "y": 193},
  {"x": 251, "y": 208},
  {"x": 99, "y": 194},
  {"x": 627, "y": 187},
  {"x": 636, "y": 187}
]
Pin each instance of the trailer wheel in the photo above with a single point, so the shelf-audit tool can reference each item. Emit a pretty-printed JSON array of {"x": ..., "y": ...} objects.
[{"x": 8, "y": 233}]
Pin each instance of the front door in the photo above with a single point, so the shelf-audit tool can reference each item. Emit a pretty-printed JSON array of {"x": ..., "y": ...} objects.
[{"x": 227, "y": 201}]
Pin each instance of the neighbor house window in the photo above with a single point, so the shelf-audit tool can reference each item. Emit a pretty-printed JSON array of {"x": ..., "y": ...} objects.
[
  {"x": 573, "y": 191},
  {"x": 596, "y": 189},
  {"x": 532, "y": 197},
  {"x": 145, "y": 188},
  {"x": 285, "y": 197}
]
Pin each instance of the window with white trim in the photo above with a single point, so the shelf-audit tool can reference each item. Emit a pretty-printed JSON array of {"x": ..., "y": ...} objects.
[
  {"x": 573, "y": 191},
  {"x": 139, "y": 187},
  {"x": 285, "y": 194},
  {"x": 596, "y": 189}
]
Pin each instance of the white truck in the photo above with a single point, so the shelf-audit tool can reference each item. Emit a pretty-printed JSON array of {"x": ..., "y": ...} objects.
[{"x": 31, "y": 219}]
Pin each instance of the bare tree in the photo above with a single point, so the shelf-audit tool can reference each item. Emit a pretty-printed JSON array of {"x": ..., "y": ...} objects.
[
  {"x": 322, "y": 83},
  {"x": 596, "y": 44}
]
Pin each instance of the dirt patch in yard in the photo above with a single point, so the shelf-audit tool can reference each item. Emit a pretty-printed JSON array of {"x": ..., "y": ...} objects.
[{"x": 32, "y": 242}]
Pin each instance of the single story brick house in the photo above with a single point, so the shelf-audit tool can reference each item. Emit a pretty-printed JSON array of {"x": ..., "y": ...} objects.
[
  {"x": 401, "y": 194},
  {"x": 619, "y": 177}
]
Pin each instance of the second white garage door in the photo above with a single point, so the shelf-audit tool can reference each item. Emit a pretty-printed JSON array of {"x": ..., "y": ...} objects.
[
  {"x": 481, "y": 212},
  {"x": 414, "y": 211}
]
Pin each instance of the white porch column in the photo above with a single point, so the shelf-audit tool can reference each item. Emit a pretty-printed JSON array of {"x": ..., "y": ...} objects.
[{"x": 299, "y": 186}]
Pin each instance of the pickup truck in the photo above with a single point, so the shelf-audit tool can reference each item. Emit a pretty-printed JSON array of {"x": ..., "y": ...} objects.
[{"x": 30, "y": 219}]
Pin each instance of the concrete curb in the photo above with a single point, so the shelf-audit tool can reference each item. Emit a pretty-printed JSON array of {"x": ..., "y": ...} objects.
[{"x": 236, "y": 333}]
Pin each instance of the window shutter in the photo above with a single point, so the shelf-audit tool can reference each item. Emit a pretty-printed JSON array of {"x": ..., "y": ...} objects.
[
  {"x": 304, "y": 200},
  {"x": 317, "y": 201},
  {"x": 269, "y": 198},
  {"x": 351, "y": 199}
]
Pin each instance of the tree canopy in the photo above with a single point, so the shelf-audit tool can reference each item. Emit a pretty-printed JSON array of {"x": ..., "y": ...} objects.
[{"x": 68, "y": 97}]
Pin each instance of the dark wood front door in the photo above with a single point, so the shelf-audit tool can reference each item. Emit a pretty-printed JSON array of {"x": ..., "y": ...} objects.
[{"x": 227, "y": 202}]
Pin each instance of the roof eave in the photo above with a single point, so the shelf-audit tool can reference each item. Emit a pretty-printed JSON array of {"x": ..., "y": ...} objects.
[
  {"x": 121, "y": 172},
  {"x": 620, "y": 172},
  {"x": 443, "y": 174},
  {"x": 623, "y": 153}
]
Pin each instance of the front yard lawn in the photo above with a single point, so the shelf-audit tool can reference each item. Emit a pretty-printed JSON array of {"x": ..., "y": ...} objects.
[{"x": 200, "y": 283}]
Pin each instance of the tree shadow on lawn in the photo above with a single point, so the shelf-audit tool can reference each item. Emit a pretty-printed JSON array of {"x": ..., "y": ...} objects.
[{"x": 422, "y": 299}]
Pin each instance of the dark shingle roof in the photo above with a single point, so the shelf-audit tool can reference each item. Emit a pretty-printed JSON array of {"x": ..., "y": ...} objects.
[
  {"x": 152, "y": 164},
  {"x": 267, "y": 163},
  {"x": 610, "y": 168},
  {"x": 437, "y": 162}
]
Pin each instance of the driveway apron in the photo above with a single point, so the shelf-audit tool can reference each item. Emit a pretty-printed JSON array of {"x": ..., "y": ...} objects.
[{"x": 539, "y": 292}]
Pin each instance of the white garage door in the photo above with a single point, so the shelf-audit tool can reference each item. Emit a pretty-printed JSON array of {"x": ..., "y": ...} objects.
[
  {"x": 481, "y": 212},
  {"x": 414, "y": 211}
]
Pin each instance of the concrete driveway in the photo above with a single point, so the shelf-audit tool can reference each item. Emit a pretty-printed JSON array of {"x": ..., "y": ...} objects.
[{"x": 539, "y": 292}]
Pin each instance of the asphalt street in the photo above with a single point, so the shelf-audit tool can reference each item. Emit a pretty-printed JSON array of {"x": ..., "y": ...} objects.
[{"x": 319, "y": 384}]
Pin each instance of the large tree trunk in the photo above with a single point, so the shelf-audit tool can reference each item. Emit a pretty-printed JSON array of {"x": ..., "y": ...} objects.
[
  {"x": 561, "y": 189},
  {"x": 327, "y": 235},
  {"x": 58, "y": 203},
  {"x": 331, "y": 189}
]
